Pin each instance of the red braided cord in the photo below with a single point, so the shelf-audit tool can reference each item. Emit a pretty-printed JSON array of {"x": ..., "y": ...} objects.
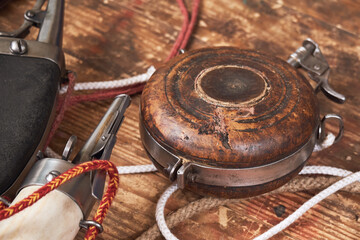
[
  {"x": 66, "y": 176},
  {"x": 2, "y": 205}
]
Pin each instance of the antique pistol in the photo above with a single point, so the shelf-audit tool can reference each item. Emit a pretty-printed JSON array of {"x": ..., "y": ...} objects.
[{"x": 30, "y": 76}]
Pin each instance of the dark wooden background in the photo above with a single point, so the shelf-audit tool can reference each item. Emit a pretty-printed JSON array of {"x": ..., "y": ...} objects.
[{"x": 111, "y": 39}]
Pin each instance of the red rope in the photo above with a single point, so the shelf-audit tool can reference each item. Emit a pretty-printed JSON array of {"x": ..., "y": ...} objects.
[
  {"x": 180, "y": 43},
  {"x": 176, "y": 47},
  {"x": 194, "y": 15},
  {"x": 62, "y": 106},
  {"x": 66, "y": 176}
]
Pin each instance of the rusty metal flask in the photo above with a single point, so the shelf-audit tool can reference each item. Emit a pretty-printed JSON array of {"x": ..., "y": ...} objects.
[{"x": 229, "y": 122}]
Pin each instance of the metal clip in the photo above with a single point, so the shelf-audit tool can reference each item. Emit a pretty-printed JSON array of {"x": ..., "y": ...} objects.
[
  {"x": 88, "y": 223},
  {"x": 310, "y": 58},
  {"x": 102, "y": 140}
]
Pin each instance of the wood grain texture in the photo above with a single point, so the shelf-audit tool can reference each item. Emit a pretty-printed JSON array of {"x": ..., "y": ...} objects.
[
  {"x": 108, "y": 39},
  {"x": 241, "y": 135}
]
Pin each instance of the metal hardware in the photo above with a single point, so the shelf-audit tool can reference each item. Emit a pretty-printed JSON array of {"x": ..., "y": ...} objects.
[
  {"x": 18, "y": 46},
  {"x": 36, "y": 49},
  {"x": 69, "y": 147},
  {"x": 39, "y": 155},
  {"x": 182, "y": 51},
  {"x": 77, "y": 189},
  {"x": 242, "y": 177},
  {"x": 87, "y": 223},
  {"x": 168, "y": 161},
  {"x": 4, "y": 201},
  {"x": 49, "y": 41},
  {"x": 81, "y": 188},
  {"x": 51, "y": 28},
  {"x": 23, "y": 30},
  {"x": 102, "y": 140},
  {"x": 311, "y": 59},
  {"x": 51, "y": 175},
  {"x": 50, "y": 22},
  {"x": 36, "y": 17},
  {"x": 321, "y": 132},
  {"x": 48, "y": 46}
]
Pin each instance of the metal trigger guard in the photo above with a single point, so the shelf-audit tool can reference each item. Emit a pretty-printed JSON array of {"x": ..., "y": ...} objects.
[
  {"x": 321, "y": 131},
  {"x": 309, "y": 57},
  {"x": 31, "y": 19}
]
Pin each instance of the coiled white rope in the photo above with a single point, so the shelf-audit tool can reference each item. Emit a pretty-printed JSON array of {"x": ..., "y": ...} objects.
[
  {"x": 114, "y": 83},
  {"x": 309, "y": 204},
  {"x": 324, "y": 170},
  {"x": 160, "y": 218},
  {"x": 159, "y": 214}
]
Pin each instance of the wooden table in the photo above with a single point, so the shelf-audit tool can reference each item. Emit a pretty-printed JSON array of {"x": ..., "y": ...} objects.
[{"x": 108, "y": 39}]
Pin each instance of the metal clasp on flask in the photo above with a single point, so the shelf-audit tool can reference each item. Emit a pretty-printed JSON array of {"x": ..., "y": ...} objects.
[{"x": 309, "y": 57}]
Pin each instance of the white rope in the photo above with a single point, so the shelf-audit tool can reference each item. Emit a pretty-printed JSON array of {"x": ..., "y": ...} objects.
[
  {"x": 329, "y": 140},
  {"x": 136, "y": 169},
  {"x": 309, "y": 204},
  {"x": 160, "y": 217},
  {"x": 114, "y": 83},
  {"x": 325, "y": 170}
]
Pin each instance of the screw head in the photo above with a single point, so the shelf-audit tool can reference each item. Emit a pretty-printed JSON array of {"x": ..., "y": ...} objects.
[
  {"x": 317, "y": 67},
  {"x": 18, "y": 46},
  {"x": 51, "y": 175},
  {"x": 30, "y": 14}
]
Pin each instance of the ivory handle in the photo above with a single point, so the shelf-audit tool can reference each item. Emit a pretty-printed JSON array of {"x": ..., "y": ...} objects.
[{"x": 55, "y": 216}]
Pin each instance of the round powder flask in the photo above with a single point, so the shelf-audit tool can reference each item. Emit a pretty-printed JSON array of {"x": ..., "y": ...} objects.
[{"x": 228, "y": 122}]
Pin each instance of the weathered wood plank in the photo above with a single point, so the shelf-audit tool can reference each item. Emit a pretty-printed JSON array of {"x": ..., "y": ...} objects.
[{"x": 110, "y": 39}]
